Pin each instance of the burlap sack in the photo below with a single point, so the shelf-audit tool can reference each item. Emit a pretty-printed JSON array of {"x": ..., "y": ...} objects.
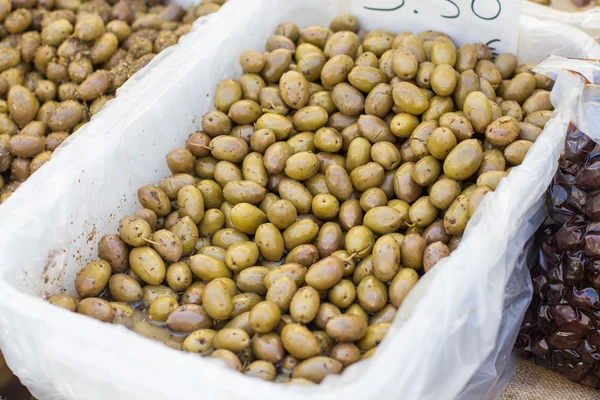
[{"x": 532, "y": 382}]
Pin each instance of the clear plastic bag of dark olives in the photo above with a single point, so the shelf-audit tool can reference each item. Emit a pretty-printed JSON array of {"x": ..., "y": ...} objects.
[{"x": 561, "y": 329}]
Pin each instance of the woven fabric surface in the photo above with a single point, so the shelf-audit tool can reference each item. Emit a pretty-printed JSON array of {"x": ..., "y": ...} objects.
[{"x": 532, "y": 382}]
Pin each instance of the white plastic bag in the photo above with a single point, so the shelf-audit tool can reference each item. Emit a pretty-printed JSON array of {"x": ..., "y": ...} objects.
[
  {"x": 452, "y": 336},
  {"x": 563, "y": 11}
]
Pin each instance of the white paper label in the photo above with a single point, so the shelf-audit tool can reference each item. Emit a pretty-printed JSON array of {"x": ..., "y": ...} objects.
[{"x": 493, "y": 22}]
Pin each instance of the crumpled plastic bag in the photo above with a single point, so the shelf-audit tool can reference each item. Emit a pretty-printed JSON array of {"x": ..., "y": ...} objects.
[
  {"x": 452, "y": 336},
  {"x": 587, "y": 20}
]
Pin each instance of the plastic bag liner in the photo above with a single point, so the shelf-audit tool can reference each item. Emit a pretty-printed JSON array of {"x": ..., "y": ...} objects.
[
  {"x": 451, "y": 338},
  {"x": 587, "y": 20}
]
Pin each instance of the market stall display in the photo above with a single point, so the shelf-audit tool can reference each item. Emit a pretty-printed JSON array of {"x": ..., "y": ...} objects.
[
  {"x": 61, "y": 62},
  {"x": 358, "y": 165},
  {"x": 472, "y": 295}
]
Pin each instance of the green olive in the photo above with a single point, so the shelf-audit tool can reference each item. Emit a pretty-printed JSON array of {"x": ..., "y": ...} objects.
[
  {"x": 491, "y": 179},
  {"x": 336, "y": 70},
  {"x": 350, "y": 214},
  {"x": 217, "y": 300},
  {"x": 374, "y": 197},
  {"x": 386, "y": 258},
  {"x": 409, "y": 98},
  {"x": 538, "y": 101},
  {"x": 296, "y": 194},
  {"x": 539, "y": 118},
  {"x": 148, "y": 265},
  {"x": 387, "y": 313},
  {"x": 343, "y": 294},
  {"x": 366, "y": 78},
  {"x": 457, "y": 216},
  {"x": 93, "y": 278},
  {"x": 374, "y": 129},
  {"x": 212, "y": 222},
  {"x": 264, "y": 317},
  {"x": 478, "y": 110},
  {"x": 96, "y": 308},
  {"x": 300, "y": 232},
  {"x": 493, "y": 160},
  {"x": 411, "y": 249},
  {"x": 268, "y": 347},
  {"x": 154, "y": 199},
  {"x": 405, "y": 187},
  {"x": 372, "y": 294},
  {"x": 226, "y": 237},
  {"x": 520, "y": 88},
  {"x": 189, "y": 318},
  {"x": 383, "y": 220},
  {"x": 515, "y": 152},
  {"x": 193, "y": 294},
  {"x": 325, "y": 273},
  {"x": 282, "y": 292},
  {"x": 346, "y": 328},
  {"x": 261, "y": 369},
  {"x": 231, "y": 360},
  {"x": 278, "y": 124},
  {"x": 304, "y": 304},
  {"x": 161, "y": 308},
  {"x": 343, "y": 42},
  {"x": 464, "y": 160},
  {"x": 302, "y": 166},
  {"x": 179, "y": 276},
  {"x": 433, "y": 254},
  {"x": 349, "y": 100},
  {"x": 458, "y": 124},
  {"x": 228, "y": 92},
  {"x": 487, "y": 70},
  {"x": 422, "y": 213},
  {"x": 247, "y": 217},
  {"x": 295, "y": 271},
  {"x": 360, "y": 239},
  {"x": 419, "y": 138},
  {"x": 63, "y": 300},
  {"x": 438, "y": 106},
  {"x": 403, "y": 124},
  {"x": 208, "y": 268},
  {"x": 502, "y": 131},
  {"x": 200, "y": 341},
  {"x": 379, "y": 101},
  {"x": 252, "y": 280},
  {"x": 241, "y": 255},
  {"x": 443, "y": 51},
  {"x": 293, "y": 87},
  {"x": 443, "y": 193},
  {"x": 187, "y": 231},
  {"x": 299, "y": 341},
  {"x": 374, "y": 335},
  {"x": 324, "y": 100}
]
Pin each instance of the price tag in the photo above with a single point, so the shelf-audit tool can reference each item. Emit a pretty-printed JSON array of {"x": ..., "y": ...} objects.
[{"x": 493, "y": 22}]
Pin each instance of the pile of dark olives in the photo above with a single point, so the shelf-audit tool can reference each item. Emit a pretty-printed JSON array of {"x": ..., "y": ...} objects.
[
  {"x": 338, "y": 169},
  {"x": 61, "y": 61}
]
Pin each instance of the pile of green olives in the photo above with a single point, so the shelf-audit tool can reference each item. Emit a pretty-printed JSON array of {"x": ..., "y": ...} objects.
[
  {"x": 338, "y": 169},
  {"x": 61, "y": 61}
]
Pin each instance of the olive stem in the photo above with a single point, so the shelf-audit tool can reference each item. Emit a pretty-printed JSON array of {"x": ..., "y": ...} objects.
[{"x": 150, "y": 241}]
